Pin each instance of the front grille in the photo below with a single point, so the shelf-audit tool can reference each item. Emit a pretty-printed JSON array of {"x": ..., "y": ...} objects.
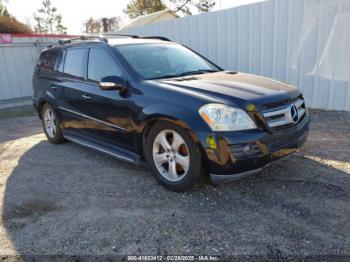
[
  {"x": 283, "y": 115},
  {"x": 276, "y": 104},
  {"x": 282, "y": 141}
]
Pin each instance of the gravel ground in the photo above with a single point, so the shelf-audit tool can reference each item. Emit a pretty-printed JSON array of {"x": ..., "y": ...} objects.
[{"x": 66, "y": 199}]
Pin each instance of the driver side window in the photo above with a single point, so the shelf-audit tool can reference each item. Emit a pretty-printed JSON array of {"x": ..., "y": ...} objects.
[{"x": 101, "y": 64}]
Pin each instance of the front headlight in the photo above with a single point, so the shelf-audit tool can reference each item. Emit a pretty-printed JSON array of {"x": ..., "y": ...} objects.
[{"x": 224, "y": 118}]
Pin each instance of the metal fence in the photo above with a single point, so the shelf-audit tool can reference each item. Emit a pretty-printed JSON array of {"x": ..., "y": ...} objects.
[
  {"x": 305, "y": 42},
  {"x": 18, "y": 57}
]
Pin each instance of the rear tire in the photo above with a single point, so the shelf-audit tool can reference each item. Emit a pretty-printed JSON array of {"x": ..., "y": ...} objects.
[
  {"x": 174, "y": 158},
  {"x": 51, "y": 125}
]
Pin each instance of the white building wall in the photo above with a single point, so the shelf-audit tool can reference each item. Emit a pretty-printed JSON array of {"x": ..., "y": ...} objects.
[{"x": 305, "y": 42}]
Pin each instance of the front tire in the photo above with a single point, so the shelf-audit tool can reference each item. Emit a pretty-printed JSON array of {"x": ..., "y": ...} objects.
[
  {"x": 51, "y": 125},
  {"x": 173, "y": 156}
]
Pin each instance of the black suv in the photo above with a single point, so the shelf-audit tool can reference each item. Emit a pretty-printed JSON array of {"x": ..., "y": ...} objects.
[{"x": 150, "y": 100}]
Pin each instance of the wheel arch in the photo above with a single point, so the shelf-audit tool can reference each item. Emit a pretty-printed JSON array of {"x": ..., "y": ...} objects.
[
  {"x": 42, "y": 101},
  {"x": 177, "y": 116},
  {"x": 152, "y": 120},
  {"x": 41, "y": 104}
]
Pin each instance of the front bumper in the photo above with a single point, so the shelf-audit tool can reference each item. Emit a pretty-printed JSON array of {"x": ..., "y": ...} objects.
[
  {"x": 222, "y": 179},
  {"x": 234, "y": 155}
]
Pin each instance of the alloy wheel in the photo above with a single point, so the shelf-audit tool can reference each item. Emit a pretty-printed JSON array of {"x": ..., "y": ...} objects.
[
  {"x": 50, "y": 122},
  {"x": 171, "y": 155}
]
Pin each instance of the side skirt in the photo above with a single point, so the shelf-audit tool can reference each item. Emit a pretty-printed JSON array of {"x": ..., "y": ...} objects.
[{"x": 113, "y": 151}]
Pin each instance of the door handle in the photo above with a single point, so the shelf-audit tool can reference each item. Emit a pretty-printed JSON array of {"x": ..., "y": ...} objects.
[
  {"x": 54, "y": 88},
  {"x": 86, "y": 96}
]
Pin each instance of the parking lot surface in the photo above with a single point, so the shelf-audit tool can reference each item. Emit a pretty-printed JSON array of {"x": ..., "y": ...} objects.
[{"x": 67, "y": 199}]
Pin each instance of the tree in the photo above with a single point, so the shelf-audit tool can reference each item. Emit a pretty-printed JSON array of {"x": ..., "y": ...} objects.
[
  {"x": 92, "y": 26},
  {"x": 136, "y": 8},
  {"x": 3, "y": 10},
  {"x": 111, "y": 24},
  {"x": 103, "y": 25},
  {"x": 185, "y": 6},
  {"x": 60, "y": 28},
  {"x": 10, "y": 25},
  {"x": 48, "y": 21}
]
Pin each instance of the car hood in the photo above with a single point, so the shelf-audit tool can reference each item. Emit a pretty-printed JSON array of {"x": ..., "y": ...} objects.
[{"x": 238, "y": 85}]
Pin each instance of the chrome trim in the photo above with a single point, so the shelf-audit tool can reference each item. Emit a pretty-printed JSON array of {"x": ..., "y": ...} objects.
[
  {"x": 285, "y": 117},
  {"x": 80, "y": 142},
  {"x": 298, "y": 103},
  {"x": 92, "y": 118},
  {"x": 284, "y": 121},
  {"x": 302, "y": 112},
  {"x": 277, "y": 112},
  {"x": 107, "y": 84},
  {"x": 86, "y": 97}
]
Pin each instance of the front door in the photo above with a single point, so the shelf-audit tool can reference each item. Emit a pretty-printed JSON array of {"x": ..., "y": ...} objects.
[{"x": 107, "y": 112}]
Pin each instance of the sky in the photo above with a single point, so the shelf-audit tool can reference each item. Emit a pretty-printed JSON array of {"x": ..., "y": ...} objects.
[{"x": 75, "y": 12}]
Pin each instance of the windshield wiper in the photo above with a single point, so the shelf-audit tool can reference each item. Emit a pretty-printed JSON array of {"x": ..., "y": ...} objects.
[
  {"x": 165, "y": 76},
  {"x": 195, "y": 72}
]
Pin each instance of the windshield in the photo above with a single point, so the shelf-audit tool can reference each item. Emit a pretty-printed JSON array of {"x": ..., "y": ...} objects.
[{"x": 155, "y": 61}]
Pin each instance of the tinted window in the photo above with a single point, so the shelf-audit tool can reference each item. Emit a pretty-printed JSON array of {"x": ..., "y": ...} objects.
[
  {"x": 101, "y": 64},
  {"x": 163, "y": 60},
  {"x": 48, "y": 61},
  {"x": 74, "y": 62}
]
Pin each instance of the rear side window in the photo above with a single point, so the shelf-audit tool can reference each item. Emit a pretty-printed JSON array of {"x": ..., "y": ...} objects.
[
  {"x": 101, "y": 64},
  {"x": 74, "y": 64},
  {"x": 47, "y": 61}
]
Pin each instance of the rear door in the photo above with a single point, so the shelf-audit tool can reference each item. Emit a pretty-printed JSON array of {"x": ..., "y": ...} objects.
[
  {"x": 45, "y": 78},
  {"x": 52, "y": 84}
]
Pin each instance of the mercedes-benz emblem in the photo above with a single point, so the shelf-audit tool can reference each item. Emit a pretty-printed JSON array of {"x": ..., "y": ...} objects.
[{"x": 294, "y": 113}]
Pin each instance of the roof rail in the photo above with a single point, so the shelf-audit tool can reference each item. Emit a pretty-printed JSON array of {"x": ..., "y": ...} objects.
[
  {"x": 103, "y": 37},
  {"x": 136, "y": 36},
  {"x": 155, "y": 37},
  {"x": 83, "y": 37},
  {"x": 121, "y": 35}
]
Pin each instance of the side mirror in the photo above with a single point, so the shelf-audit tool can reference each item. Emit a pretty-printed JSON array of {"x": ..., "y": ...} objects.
[{"x": 112, "y": 83}]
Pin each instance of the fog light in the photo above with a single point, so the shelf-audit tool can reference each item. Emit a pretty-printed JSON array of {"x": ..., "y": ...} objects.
[{"x": 240, "y": 151}]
